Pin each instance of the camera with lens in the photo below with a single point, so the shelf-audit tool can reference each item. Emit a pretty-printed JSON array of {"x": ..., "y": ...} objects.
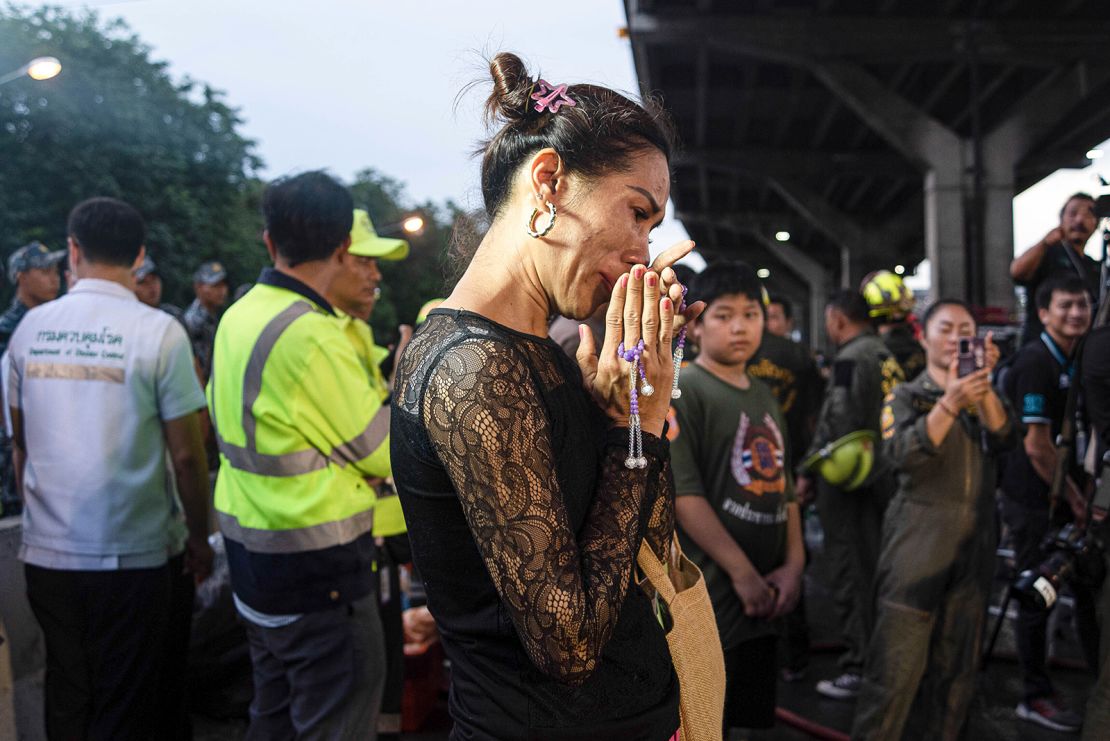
[{"x": 1072, "y": 555}]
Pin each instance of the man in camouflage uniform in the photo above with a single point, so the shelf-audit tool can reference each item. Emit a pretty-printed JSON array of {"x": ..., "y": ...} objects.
[
  {"x": 148, "y": 289},
  {"x": 203, "y": 315},
  {"x": 863, "y": 372},
  {"x": 33, "y": 269},
  {"x": 942, "y": 434}
]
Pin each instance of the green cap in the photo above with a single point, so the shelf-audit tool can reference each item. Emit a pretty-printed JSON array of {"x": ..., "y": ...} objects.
[{"x": 365, "y": 242}]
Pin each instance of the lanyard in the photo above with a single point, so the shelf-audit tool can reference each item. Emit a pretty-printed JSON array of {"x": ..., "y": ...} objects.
[{"x": 1058, "y": 356}]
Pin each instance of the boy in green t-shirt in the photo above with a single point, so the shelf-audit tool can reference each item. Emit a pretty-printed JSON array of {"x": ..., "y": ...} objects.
[{"x": 736, "y": 510}]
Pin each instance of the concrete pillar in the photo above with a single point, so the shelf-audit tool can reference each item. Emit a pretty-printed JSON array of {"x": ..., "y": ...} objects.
[
  {"x": 944, "y": 232},
  {"x": 998, "y": 218}
]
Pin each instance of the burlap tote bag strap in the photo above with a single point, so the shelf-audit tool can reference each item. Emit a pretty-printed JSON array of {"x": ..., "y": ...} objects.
[{"x": 693, "y": 641}]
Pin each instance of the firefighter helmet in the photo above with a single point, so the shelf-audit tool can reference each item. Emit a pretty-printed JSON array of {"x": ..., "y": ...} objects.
[{"x": 887, "y": 295}]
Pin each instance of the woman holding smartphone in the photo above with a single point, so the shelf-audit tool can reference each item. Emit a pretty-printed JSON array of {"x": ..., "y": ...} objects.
[
  {"x": 943, "y": 431},
  {"x": 524, "y": 504}
]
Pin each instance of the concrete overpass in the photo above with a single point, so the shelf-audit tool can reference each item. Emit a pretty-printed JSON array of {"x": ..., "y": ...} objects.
[{"x": 876, "y": 132}]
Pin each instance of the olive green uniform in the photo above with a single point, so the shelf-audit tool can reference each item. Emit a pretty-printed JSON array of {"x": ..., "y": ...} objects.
[
  {"x": 935, "y": 570},
  {"x": 900, "y": 340},
  {"x": 863, "y": 373}
]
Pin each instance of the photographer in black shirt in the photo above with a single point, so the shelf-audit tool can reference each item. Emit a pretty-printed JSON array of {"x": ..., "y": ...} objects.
[{"x": 1037, "y": 386}]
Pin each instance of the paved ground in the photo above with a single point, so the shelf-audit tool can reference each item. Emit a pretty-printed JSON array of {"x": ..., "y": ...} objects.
[{"x": 992, "y": 714}]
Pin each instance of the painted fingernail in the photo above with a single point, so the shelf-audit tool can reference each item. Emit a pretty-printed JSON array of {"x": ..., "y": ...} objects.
[
  {"x": 652, "y": 279},
  {"x": 624, "y": 281},
  {"x": 667, "y": 305},
  {"x": 638, "y": 272}
]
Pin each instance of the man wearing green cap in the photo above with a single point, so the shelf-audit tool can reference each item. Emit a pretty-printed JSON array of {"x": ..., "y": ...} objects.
[
  {"x": 357, "y": 290},
  {"x": 943, "y": 433},
  {"x": 864, "y": 371},
  {"x": 354, "y": 294}
]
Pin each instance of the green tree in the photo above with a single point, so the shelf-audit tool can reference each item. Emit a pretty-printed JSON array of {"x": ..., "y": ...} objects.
[{"x": 114, "y": 123}]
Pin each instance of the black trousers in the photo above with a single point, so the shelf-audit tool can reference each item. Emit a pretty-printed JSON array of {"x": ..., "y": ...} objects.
[
  {"x": 1028, "y": 527},
  {"x": 393, "y": 634},
  {"x": 173, "y": 720},
  {"x": 750, "y": 683},
  {"x": 105, "y": 632}
]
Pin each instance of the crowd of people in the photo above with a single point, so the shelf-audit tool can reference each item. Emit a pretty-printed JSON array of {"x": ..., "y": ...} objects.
[{"x": 569, "y": 407}]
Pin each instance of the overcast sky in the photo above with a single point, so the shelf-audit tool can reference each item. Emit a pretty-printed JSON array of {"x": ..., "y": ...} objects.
[{"x": 348, "y": 84}]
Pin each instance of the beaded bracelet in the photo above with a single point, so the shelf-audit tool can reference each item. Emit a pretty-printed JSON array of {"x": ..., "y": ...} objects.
[{"x": 635, "y": 357}]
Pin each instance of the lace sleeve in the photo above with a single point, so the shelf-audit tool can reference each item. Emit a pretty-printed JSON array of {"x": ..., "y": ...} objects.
[
  {"x": 660, "y": 524},
  {"x": 487, "y": 424}
]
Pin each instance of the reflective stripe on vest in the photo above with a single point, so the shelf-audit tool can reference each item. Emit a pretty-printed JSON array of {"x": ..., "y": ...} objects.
[
  {"x": 307, "y": 461},
  {"x": 247, "y": 458},
  {"x": 297, "y": 540}
]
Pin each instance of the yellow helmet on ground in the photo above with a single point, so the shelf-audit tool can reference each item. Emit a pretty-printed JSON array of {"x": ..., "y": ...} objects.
[
  {"x": 887, "y": 295},
  {"x": 845, "y": 463}
]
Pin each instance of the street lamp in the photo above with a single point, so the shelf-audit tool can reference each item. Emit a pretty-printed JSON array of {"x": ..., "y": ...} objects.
[
  {"x": 783, "y": 236},
  {"x": 410, "y": 226},
  {"x": 39, "y": 68}
]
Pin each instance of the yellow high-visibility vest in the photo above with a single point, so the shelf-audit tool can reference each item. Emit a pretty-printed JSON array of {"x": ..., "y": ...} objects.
[{"x": 297, "y": 425}]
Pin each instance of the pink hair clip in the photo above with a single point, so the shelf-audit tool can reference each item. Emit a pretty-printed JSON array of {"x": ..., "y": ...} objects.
[{"x": 551, "y": 97}]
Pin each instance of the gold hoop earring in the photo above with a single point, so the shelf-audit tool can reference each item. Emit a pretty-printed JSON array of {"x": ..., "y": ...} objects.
[{"x": 532, "y": 222}]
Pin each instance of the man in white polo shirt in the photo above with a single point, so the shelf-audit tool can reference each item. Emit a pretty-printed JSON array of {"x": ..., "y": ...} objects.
[{"x": 101, "y": 388}]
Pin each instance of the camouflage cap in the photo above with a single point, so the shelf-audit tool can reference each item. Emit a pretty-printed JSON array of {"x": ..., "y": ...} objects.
[
  {"x": 33, "y": 255},
  {"x": 146, "y": 268},
  {"x": 210, "y": 273}
]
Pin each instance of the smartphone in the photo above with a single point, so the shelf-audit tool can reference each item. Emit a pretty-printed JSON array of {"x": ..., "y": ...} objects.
[{"x": 971, "y": 356}]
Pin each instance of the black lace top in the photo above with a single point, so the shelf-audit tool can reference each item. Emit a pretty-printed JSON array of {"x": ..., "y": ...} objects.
[{"x": 524, "y": 524}]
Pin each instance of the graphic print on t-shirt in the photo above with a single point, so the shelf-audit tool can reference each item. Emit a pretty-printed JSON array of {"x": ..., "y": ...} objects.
[{"x": 757, "y": 456}]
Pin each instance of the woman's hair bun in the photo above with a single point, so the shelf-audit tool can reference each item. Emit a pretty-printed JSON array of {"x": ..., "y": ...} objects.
[{"x": 512, "y": 88}]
